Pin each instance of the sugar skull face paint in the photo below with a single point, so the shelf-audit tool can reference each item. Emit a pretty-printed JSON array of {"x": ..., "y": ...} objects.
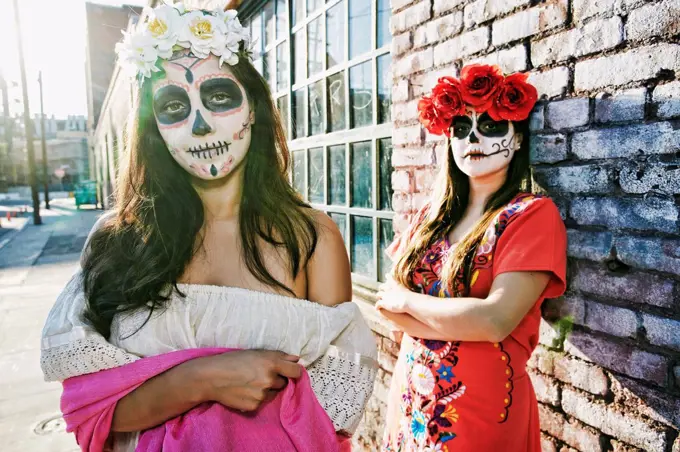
[
  {"x": 482, "y": 146},
  {"x": 203, "y": 114}
]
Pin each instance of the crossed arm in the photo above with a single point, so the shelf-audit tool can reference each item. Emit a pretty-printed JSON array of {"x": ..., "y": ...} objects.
[{"x": 489, "y": 319}]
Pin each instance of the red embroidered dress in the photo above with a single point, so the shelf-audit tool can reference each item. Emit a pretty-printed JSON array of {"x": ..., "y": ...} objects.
[{"x": 477, "y": 396}]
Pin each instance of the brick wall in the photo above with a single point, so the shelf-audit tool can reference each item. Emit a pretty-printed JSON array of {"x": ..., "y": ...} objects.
[{"x": 606, "y": 147}]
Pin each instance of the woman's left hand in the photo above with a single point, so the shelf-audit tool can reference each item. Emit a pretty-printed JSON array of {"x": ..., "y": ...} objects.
[{"x": 393, "y": 297}]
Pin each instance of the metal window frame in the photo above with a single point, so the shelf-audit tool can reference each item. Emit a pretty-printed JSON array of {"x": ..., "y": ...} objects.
[{"x": 373, "y": 132}]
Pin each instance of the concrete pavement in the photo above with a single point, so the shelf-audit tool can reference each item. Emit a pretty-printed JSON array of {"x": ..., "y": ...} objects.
[{"x": 35, "y": 264}]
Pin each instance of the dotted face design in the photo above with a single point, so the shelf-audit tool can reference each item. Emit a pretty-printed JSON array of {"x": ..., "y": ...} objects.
[{"x": 203, "y": 114}]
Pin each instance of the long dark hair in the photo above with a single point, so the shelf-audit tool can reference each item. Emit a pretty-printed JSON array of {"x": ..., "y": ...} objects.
[
  {"x": 135, "y": 259},
  {"x": 449, "y": 201}
]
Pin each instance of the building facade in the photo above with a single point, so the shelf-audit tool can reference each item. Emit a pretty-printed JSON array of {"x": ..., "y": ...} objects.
[{"x": 347, "y": 76}]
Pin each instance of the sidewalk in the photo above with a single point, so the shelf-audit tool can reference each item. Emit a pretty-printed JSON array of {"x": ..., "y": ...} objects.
[{"x": 35, "y": 265}]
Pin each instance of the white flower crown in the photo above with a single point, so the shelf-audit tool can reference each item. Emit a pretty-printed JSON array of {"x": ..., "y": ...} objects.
[{"x": 171, "y": 27}]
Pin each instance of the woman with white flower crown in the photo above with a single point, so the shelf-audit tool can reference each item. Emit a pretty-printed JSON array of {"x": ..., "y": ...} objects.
[{"x": 211, "y": 311}]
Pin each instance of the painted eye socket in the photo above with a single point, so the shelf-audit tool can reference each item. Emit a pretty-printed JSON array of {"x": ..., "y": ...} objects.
[
  {"x": 220, "y": 98},
  {"x": 174, "y": 107},
  {"x": 460, "y": 131},
  {"x": 493, "y": 128}
]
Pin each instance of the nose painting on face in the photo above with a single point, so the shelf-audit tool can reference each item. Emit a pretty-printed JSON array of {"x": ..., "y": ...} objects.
[{"x": 200, "y": 127}]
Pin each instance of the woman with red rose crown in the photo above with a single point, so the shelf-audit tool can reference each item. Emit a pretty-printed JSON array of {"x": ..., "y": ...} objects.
[{"x": 470, "y": 274}]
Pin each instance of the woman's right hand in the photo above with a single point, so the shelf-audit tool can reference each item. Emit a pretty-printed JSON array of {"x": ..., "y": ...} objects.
[{"x": 244, "y": 379}]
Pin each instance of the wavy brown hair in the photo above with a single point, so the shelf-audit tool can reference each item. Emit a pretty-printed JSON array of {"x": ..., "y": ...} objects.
[
  {"x": 446, "y": 208},
  {"x": 134, "y": 260}
]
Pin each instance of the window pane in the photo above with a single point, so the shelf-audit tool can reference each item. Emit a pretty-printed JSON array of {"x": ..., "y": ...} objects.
[
  {"x": 316, "y": 123},
  {"x": 362, "y": 246},
  {"x": 384, "y": 12},
  {"x": 281, "y": 19},
  {"x": 269, "y": 23},
  {"x": 299, "y": 172},
  {"x": 359, "y": 27},
  {"x": 268, "y": 73},
  {"x": 300, "y": 58},
  {"x": 257, "y": 34},
  {"x": 384, "y": 89},
  {"x": 338, "y": 173},
  {"x": 335, "y": 35},
  {"x": 282, "y": 103},
  {"x": 259, "y": 66},
  {"x": 299, "y": 113},
  {"x": 386, "y": 236},
  {"x": 336, "y": 101},
  {"x": 282, "y": 66},
  {"x": 360, "y": 94},
  {"x": 341, "y": 220},
  {"x": 385, "y": 182},
  {"x": 314, "y": 47},
  {"x": 298, "y": 10},
  {"x": 317, "y": 178},
  {"x": 362, "y": 188},
  {"x": 312, "y": 5}
]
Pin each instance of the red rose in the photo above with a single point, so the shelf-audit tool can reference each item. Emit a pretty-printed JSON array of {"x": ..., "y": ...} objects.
[
  {"x": 447, "y": 98},
  {"x": 515, "y": 99},
  {"x": 431, "y": 119},
  {"x": 479, "y": 83}
]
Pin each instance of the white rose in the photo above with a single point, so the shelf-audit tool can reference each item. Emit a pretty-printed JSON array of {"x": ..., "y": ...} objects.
[
  {"x": 164, "y": 26},
  {"x": 137, "y": 53}
]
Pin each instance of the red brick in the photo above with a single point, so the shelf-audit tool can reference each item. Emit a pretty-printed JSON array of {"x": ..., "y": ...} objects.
[
  {"x": 581, "y": 374},
  {"x": 618, "y": 357},
  {"x": 614, "y": 421},
  {"x": 647, "y": 401},
  {"x": 390, "y": 347}
]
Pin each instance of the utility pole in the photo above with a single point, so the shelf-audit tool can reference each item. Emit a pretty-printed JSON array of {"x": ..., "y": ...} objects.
[
  {"x": 44, "y": 146},
  {"x": 7, "y": 123},
  {"x": 27, "y": 123}
]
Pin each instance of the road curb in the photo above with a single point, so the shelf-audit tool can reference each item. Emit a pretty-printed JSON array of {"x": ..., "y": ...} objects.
[{"x": 7, "y": 239}]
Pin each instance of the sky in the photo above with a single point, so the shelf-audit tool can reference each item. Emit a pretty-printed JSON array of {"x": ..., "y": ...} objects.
[{"x": 54, "y": 35}]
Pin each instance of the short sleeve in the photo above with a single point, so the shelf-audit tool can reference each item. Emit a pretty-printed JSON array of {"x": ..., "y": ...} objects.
[
  {"x": 535, "y": 240},
  {"x": 401, "y": 240}
]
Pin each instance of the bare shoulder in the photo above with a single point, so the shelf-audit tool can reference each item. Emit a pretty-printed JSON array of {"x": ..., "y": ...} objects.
[{"x": 329, "y": 279}]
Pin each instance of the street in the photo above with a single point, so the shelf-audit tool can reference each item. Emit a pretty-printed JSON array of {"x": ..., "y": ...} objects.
[{"x": 35, "y": 264}]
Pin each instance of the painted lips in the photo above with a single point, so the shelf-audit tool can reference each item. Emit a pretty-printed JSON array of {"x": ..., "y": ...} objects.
[{"x": 209, "y": 149}]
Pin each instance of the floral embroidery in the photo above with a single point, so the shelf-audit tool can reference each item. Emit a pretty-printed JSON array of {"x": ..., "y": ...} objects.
[{"x": 428, "y": 400}]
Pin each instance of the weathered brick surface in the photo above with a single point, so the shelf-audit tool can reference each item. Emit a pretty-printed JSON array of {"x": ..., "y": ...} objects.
[
  {"x": 627, "y": 105},
  {"x": 581, "y": 374},
  {"x": 623, "y": 425},
  {"x": 548, "y": 148},
  {"x": 529, "y": 22},
  {"x": 594, "y": 37},
  {"x": 509, "y": 60},
  {"x": 667, "y": 100},
  {"x": 645, "y": 177},
  {"x": 618, "y": 357},
  {"x": 411, "y": 16},
  {"x": 654, "y": 20},
  {"x": 572, "y": 432},
  {"x": 650, "y": 253},
  {"x": 626, "y": 141},
  {"x": 611, "y": 319},
  {"x": 401, "y": 43},
  {"x": 583, "y": 9},
  {"x": 631, "y": 66},
  {"x": 647, "y": 401},
  {"x": 461, "y": 46},
  {"x": 575, "y": 179},
  {"x": 546, "y": 388},
  {"x": 632, "y": 287},
  {"x": 442, "y": 6},
  {"x": 414, "y": 62},
  {"x": 567, "y": 114},
  {"x": 438, "y": 29},
  {"x": 661, "y": 331},
  {"x": 571, "y": 305},
  {"x": 551, "y": 83},
  {"x": 594, "y": 246},
  {"x": 481, "y": 11},
  {"x": 626, "y": 213}
]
